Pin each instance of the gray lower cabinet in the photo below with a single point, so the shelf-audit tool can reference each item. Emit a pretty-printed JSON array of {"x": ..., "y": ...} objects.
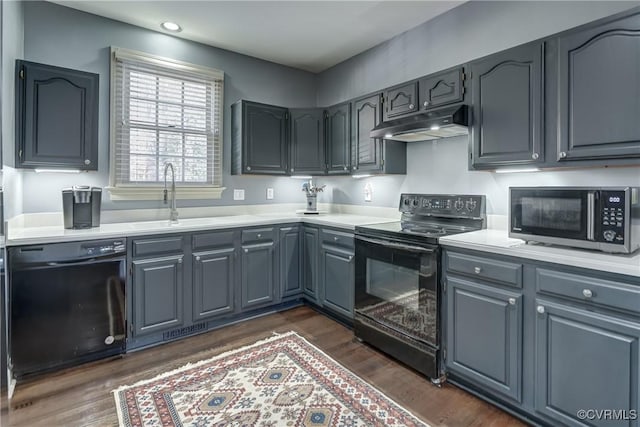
[
  {"x": 158, "y": 294},
  {"x": 599, "y": 86},
  {"x": 259, "y": 139},
  {"x": 338, "y": 139},
  {"x": 585, "y": 360},
  {"x": 307, "y": 142},
  {"x": 484, "y": 333},
  {"x": 337, "y": 279},
  {"x": 213, "y": 283},
  {"x": 290, "y": 261},
  {"x": 258, "y": 276},
  {"x": 310, "y": 261},
  {"x": 507, "y": 94}
]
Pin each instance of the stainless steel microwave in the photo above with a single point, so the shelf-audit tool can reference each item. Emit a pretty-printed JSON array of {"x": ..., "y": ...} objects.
[{"x": 605, "y": 218}]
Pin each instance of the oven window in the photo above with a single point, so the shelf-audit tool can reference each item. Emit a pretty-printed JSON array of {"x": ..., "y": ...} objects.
[
  {"x": 389, "y": 282},
  {"x": 551, "y": 213}
]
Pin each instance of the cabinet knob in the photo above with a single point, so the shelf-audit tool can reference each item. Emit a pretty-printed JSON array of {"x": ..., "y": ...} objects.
[
  {"x": 540, "y": 309},
  {"x": 426, "y": 103},
  {"x": 291, "y": 169},
  {"x": 512, "y": 301},
  {"x": 346, "y": 168},
  {"x": 587, "y": 293},
  {"x": 180, "y": 261},
  {"x": 87, "y": 162},
  {"x": 335, "y": 239},
  {"x": 246, "y": 251},
  {"x": 411, "y": 106},
  {"x": 350, "y": 258},
  {"x": 248, "y": 168},
  {"x": 535, "y": 156},
  {"x": 563, "y": 154},
  {"x": 259, "y": 235},
  {"x": 477, "y": 270},
  {"x": 198, "y": 258}
]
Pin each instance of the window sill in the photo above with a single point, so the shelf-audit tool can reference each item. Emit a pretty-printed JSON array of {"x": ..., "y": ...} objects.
[{"x": 155, "y": 193}]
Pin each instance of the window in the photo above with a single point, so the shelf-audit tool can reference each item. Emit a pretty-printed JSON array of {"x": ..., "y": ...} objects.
[{"x": 164, "y": 111}]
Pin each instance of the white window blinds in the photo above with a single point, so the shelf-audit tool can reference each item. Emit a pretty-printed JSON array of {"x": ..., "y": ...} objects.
[{"x": 165, "y": 111}]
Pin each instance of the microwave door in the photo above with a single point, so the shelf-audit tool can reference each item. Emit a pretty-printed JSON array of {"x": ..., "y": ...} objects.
[{"x": 562, "y": 213}]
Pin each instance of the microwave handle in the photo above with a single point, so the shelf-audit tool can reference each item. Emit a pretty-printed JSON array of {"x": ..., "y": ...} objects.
[{"x": 591, "y": 213}]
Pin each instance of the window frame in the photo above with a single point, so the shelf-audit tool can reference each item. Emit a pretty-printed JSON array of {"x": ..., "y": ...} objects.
[{"x": 153, "y": 191}]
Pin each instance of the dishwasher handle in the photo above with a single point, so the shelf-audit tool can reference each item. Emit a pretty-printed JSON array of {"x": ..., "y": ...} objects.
[{"x": 70, "y": 262}]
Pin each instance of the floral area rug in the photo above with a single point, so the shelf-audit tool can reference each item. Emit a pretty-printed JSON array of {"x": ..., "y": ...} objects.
[{"x": 280, "y": 381}]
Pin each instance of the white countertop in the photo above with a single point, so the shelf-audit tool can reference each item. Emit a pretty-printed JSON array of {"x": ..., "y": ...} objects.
[
  {"x": 498, "y": 242},
  {"x": 57, "y": 233}
]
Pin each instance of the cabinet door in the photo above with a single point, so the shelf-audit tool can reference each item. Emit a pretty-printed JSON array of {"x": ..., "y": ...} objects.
[
  {"x": 337, "y": 280},
  {"x": 213, "y": 283},
  {"x": 367, "y": 151},
  {"x": 599, "y": 87},
  {"x": 400, "y": 101},
  {"x": 307, "y": 142},
  {"x": 310, "y": 262},
  {"x": 507, "y": 93},
  {"x": 158, "y": 292},
  {"x": 338, "y": 139},
  {"x": 265, "y": 139},
  {"x": 258, "y": 275},
  {"x": 56, "y": 117},
  {"x": 484, "y": 330},
  {"x": 441, "y": 89},
  {"x": 585, "y": 360},
  {"x": 290, "y": 256}
]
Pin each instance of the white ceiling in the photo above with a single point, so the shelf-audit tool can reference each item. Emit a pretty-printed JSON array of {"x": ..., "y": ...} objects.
[{"x": 310, "y": 35}]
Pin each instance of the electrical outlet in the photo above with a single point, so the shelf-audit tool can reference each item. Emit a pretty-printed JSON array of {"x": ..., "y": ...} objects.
[
  {"x": 368, "y": 192},
  {"x": 238, "y": 194},
  {"x": 269, "y": 193}
]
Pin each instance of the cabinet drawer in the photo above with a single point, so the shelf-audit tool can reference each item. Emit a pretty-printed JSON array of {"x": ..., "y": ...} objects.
[
  {"x": 337, "y": 238},
  {"x": 257, "y": 235},
  {"x": 588, "y": 289},
  {"x": 505, "y": 273},
  {"x": 212, "y": 240},
  {"x": 162, "y": 245}
]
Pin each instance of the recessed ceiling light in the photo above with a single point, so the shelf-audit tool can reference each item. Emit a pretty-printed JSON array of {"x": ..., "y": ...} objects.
[{"x": 171, "y": 26}]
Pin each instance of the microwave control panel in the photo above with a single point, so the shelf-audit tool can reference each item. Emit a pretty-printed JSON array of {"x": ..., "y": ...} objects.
[{"x": 612, "y": 216}]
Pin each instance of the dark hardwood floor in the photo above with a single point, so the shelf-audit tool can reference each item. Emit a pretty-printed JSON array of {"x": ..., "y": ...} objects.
[{"x": 82, "y": 396}]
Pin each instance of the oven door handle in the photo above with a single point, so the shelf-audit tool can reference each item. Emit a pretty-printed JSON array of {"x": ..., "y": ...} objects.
[{"x": 393, "y": 245}]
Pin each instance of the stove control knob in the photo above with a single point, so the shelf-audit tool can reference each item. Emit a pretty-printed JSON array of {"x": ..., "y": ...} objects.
[
  {"x": 471, "y": 205},
  {"x": 459, "y": 204},
  {"x": 407, "y": 202},
  {"x": 609, "y": 235},
  {"x": 416, "y": 202}
]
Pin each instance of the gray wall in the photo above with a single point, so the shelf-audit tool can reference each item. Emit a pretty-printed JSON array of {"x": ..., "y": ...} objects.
[
  {"x": 470, "y": 31},
  {"x": 62, "y": 36}
]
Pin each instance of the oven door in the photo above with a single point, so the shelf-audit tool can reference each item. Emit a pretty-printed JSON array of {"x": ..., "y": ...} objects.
[
  {"x": 396, "y": 285},
  {"x": 554, "y": 213}
]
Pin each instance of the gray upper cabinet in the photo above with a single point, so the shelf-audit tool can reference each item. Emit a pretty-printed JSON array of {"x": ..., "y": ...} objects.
[
  {"x": 507, "y": 94},
  {"x": 400, "y": 100},
  {"x": 441, "y": 89},
  {"x": 158, "y": 294},
  {"x": 585, "y": 360},
  {"x": 290, "y": 259},
  {"x": 56, "y": 117},
  {"x": 258, "y": 274},
  {"x": 307, "y": 142},
  {"x": 259, "y": 139},
  {"x": 484, "y": 330},
  {"x": 213, "y": 283},
  {"x": 599, "y": 88},
  {"x": 338, "y": 139},
  {"x": 373, "y": 155}
]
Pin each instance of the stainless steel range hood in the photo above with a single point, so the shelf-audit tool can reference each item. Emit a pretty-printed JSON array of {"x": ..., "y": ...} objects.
[{"x": 443, "y": 123}]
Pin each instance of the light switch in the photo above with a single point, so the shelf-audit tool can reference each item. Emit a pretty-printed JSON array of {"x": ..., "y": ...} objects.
[
  {"x": 238, "y": 194},
  {"x": 269, "y": 193}
]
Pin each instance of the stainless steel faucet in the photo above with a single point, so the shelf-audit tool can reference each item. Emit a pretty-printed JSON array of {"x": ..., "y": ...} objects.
[{"x": 173, "y": 210}]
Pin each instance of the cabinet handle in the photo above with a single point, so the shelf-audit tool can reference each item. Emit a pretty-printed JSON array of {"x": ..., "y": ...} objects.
[
  {"x": 411, "y": 106},
  {"x": 540, "y": 309},
  {"x": 477, "y": 270},
  {"x": 587, "y": 293},
  {"x": 87, "y": 162},
  {"x": 512, "y": 301},
  {"x": 426, "y": 103},
  {"x": 248, "y": 168},
  {"x": 563, "y": 154},
  {"x": 535, "y": 156},
  {"x": 198, "y": 258}
]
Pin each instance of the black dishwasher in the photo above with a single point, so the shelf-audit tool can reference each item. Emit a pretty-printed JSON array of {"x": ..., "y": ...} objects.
[{"x": 66, "y": 304}]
